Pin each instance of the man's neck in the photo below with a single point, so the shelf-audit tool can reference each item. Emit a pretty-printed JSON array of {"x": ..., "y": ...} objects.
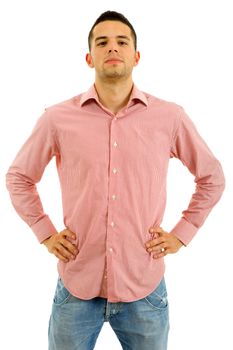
[{"x": 114, "y": 95}]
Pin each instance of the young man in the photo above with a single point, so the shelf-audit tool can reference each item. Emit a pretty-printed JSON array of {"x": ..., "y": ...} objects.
[{"x": 112, "y": 146}]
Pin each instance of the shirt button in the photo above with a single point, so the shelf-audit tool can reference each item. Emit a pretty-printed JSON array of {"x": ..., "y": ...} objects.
[
  {"x": 115, "y": 118},
  {"x": 111, "y": 250},
  {"x": 115, "y": 144},
  {"x": 114, "y": 170},
  {"x": 113, "y": 196},
  {"x": 112, "y": 224},
  {"x": 105, "y": 276}
]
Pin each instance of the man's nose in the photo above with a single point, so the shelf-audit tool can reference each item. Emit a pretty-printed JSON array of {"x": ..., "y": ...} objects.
[
  {"x": 112, "y": 46},
  {"x": 112, "y": 50}
]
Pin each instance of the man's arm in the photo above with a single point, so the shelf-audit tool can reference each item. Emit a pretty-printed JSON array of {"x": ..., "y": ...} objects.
[
  {"x": 21, "y": 178},
  {"x": 191, "y": 149},
  {"x": 27, "y": 170}
]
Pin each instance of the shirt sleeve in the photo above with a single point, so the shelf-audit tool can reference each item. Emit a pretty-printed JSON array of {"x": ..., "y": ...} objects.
[
  {"x": 191, "y": 149},
  {"x": 27, "y": 170}
]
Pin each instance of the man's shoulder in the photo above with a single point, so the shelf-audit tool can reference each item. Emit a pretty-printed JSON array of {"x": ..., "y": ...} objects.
[
  {"x": 65, "y": 104},
  {"x": 155, "y": 101}
]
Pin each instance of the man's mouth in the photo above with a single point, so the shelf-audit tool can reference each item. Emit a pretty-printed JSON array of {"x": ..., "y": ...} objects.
[{"x": 113, "y": 61}]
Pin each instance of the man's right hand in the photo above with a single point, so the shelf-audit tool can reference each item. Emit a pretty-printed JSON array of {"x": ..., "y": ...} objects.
[{"x": 61, "y": 247}]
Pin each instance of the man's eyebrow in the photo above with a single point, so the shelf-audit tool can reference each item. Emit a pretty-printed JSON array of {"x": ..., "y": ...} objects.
[
  {"x": 118, "y": 37},
  {"x": 123, "y": 37}
]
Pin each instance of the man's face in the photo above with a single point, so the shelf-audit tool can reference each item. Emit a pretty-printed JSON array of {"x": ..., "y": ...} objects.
[{"x": 112, "y": 52}]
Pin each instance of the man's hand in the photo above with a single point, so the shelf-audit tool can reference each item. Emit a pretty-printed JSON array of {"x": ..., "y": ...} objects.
[
  {"x": 164, "y": 243},
  {"x": 60, "y": 246}
]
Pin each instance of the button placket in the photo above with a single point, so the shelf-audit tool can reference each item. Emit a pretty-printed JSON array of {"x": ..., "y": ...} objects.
[{"x": 112, "y": 201}]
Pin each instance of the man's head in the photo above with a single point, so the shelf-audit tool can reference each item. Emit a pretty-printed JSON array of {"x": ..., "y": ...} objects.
[
  {"x": 112, "y": 42},
  {"x": 112, "y": 16}
]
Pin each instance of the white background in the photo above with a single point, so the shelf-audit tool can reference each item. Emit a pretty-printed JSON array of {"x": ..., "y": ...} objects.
[{"x": 186, "y": 57}]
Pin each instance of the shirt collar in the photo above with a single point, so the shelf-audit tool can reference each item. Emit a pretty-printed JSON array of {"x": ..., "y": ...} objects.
[{"x": 91, "y": 94}]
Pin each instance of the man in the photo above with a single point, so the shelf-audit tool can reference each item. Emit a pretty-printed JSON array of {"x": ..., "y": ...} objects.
[{"x": 112, "y": 146}]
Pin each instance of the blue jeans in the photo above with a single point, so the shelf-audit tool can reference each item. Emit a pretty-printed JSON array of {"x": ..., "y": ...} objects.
[{"x": 139, "y": 325}]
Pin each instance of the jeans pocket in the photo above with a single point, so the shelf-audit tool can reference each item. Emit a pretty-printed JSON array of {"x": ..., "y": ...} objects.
[
  {"x": 158, "y": 298},
  {"x": 62, "y": 295}
]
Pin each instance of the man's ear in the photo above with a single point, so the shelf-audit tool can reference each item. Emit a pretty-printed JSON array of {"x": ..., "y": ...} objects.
[
  {"x": 89, "y": 60},
  {"x": 137, "y": 57}
]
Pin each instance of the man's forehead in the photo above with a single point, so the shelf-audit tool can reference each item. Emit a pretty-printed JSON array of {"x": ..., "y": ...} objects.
[{"x": 111, "y": 29}]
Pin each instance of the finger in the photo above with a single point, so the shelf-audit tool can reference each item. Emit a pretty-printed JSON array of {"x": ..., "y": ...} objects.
[
  {"x": 156, "y": 229},
  {"x": 60, "y": 256},
  {"x": 69, "y": 246},
  {"x": 154, "y": 242},
  {"x": 163, "y": 252},
  {"x": 68, "y": 233},
  {"x": 64, "y": 252},
  {"x": 159, "y": 255},
  {"x": 158, "y": 248}
]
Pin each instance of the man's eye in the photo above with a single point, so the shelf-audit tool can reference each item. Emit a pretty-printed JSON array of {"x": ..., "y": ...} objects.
[
  {"x": 102, "y": 43},
  {"x": 122, "y": 43}
]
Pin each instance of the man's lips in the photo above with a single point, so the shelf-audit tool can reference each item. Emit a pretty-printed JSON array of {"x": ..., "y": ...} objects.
[{"x": 113, "y": 60}]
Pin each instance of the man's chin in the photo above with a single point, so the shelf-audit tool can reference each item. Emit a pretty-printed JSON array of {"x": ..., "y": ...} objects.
[{"x": 114, "y": 74}]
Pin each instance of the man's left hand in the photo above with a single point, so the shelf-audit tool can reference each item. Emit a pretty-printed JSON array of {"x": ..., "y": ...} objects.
[{"x": 164, "y": 243}]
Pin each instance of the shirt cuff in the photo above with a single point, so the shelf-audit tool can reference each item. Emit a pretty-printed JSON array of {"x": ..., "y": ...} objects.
[
  {"x": 43, "y": 228},
  {"x": 184, "y": 231}
]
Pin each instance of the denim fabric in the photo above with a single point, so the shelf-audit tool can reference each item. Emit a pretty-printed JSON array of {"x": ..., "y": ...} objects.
[{"x": 139, "y": 325}]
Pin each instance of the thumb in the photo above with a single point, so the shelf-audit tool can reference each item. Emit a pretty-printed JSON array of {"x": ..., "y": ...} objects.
[
  {"x": 68, "y": 233},
  {"x": 156, "y": 229}
]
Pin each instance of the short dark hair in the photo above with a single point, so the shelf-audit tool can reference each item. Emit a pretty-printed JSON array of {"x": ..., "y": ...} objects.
[{"x": 112, "y": 16}]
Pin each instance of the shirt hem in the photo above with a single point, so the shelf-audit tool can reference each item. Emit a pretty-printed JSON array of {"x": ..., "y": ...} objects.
[{"x": 115, "y": 300}]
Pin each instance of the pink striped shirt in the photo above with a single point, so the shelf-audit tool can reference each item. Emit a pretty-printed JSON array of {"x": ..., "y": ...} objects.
[{"x": 112, "y": 171}]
